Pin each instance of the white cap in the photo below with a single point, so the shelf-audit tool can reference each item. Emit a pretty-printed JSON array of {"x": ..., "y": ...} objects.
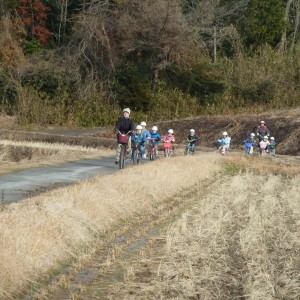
[
  {"x": 252, "y": 134},
  {"x": 143, "y": 123},
  {"x": 126, "y": 110},
  {"x": 138, "y": 127},
  {"x": 272, "y": 138},
  {"x": 192, "y": 130},
  {"x": 265, "y": 137},
  {"x": 171, "y": 131},
  {"x": 225, "y": 133},
  {"x": 262, "y": 122},
  {"x": 154, "y": 128}
]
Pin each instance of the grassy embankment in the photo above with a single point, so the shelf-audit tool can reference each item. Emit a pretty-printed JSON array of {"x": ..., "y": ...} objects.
[{"x": 41, "y": 232}]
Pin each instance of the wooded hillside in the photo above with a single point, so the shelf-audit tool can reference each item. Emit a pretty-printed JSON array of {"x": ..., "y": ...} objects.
[{"x": 78, "y": 62}]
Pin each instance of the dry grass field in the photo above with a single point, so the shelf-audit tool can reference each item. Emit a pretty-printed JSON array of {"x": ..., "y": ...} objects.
[
  {"x": 241, "y": 241},
  {"x": 43, "y": 232}
]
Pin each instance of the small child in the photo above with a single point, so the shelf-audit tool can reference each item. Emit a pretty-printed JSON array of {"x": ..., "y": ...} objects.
[
  {"x": 168, "y": 139},
  {"x": 192, "y": 140},
  {"x": 250, "y": 143},
  {"x": 138, "y": 139},
  {"x": 263, "y": 145},
  {"x": 155, "y": 137},
  {"x": 271, "y": 146},
  {"x": 224, "y": 143},
  {"x": 145, "y": 133}
]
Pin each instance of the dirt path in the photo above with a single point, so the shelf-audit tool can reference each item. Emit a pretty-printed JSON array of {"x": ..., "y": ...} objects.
[{"x": 95, "y": 278}]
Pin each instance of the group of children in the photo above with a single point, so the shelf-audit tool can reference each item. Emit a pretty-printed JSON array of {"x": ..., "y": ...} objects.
[
  {"x": 142, "y": 137},
  {"x": 266, "y": 145}
]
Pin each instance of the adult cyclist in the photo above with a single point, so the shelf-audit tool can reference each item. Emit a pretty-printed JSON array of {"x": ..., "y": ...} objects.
[
  {"x": 124, "y": 124},
  {"x": 262, "y": 130}
]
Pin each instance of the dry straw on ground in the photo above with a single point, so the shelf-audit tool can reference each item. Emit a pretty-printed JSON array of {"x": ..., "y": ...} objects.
[
  {"x": 241, "y": 241},
  {"x": 39, "y": 232}
]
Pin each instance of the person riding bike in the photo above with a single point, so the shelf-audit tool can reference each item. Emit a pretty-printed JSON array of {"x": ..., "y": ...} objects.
[
  {"x": 192, "y": 139},
  {"x": 224, "y": 143},
  {"x": 249, "y": 143},
  {"x": 156, "y": 137},
  {"x": 124, "y": 125},
  {"x": 271, "y": 146},
  {"x": 147, "y": 135},
  {"x": 168, "y": 139},
  {"x": 261, "y": 131},
  {"x": 139, "y": 138},
  {"x": 263, "y": 145}
]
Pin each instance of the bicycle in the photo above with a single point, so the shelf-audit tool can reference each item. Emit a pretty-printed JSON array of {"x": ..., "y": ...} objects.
[
  {"x": 136, "y": 154},
  {"x": 249, "y": 148},
  {"x": 123, "y": 139},
  {"x": 167, "y": 148},
  {"x": 152, "y": 150},
  {"x": 190, "y": 148}
]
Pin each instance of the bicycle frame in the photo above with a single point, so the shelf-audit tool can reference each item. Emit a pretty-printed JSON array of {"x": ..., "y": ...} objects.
[
  {"x": 151, "y": 150},
  {"x": 190, "y": 148},
  {"x": 123, "y": 151},
  {"x": 136, "y": 154}
]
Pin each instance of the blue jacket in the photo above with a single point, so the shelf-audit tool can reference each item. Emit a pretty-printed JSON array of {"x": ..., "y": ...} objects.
[
  {"x": 146, "y": 133},
  {"x": 249, "y": 142},
  {"x": 192, "y": 139},
  {"x": 156, "y": 136},
  {"x": 225, "y": 142},
  {"x": 138, "y": 138}
]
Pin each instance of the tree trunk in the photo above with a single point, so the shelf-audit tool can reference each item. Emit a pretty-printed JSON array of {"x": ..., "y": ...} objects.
[
  {"x": 155, "y": 80},
  {"x": 282, "y": 45},
  {"x": 297, "y": 22}
]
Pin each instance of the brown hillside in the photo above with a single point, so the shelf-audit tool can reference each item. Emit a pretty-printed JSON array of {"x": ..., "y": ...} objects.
[{"x": 283, "y": 125}]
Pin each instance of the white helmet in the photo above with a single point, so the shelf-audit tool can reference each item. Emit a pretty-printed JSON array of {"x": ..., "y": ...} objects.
[
  {"x": 262, "y": 122},
  {"x": 272, "y": 138},
  {"x": 126, "y": 110},
  {"x": 192, "y": 130},
  {"x": 171, "y": 131},
  {"x": 143, "y": 123},
  {"x": 225, "y": 133},
  {"x": 252, "y": 134},
  {"x": 265, "y": 137},
  {"x": 139, "y": 127},
  {"x": 154, "y": 128}
]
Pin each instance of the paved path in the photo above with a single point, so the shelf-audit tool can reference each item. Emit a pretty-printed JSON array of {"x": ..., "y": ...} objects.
[{"x": 23, "y": 184}]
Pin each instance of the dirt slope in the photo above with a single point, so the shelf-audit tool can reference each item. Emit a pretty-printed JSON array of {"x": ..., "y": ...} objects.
[{"x": 283, "y": 125}]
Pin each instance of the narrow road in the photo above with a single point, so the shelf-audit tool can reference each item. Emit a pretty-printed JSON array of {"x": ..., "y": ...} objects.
[{"x": 23, "y": 184}]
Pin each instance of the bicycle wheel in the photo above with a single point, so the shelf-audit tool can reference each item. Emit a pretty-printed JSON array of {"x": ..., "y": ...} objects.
[
  {"x": 135, "y": 156},
  {"x": 151, "y": 154},
  {"x": 122, "y": 157}
]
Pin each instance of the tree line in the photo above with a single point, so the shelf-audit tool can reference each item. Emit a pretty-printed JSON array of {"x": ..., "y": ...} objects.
[{"x": 77, "y": 62}]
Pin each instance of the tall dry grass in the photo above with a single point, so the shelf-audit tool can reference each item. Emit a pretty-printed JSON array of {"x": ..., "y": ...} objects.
[
  {"x": 241, "y": 241},
  {"x": 38, "y": 233}
]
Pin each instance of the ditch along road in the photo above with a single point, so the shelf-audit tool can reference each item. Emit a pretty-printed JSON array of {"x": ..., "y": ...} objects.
[{"x": 31, "y": 182}]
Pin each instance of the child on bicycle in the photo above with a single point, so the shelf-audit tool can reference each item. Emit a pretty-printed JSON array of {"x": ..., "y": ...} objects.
[
  {"x": 249, "y": 143},
  {"x": 169, "y": 139},
  {"x": 138, "y": 139},
  {"x": 155, "y": 137},
  {"x": 263, "y": 145},
  {"x": 224, "y": 143},
  {"x": 145, "y": 133},
  {"x": 271, "y": 146},
  {"x": 192, "y": 139}
]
